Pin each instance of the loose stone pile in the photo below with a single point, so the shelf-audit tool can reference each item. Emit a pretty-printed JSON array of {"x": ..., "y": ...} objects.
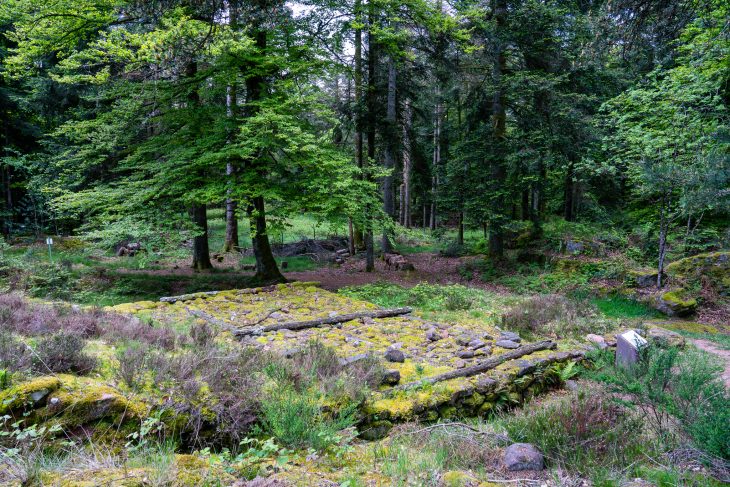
[{"x": 413, "y": 349}]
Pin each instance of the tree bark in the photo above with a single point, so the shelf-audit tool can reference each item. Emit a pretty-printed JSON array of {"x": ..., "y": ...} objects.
[
  {"x": 389, "y": 156},
  {"x": 231, "y": 242},
  {"x": 569, "y": 192},
  {"x": 370, "y": 102},
  {"x": 460, "y": 235},
  {"x": 499, "y": 132},
  {"x": 266, "y": 268},
  {"x": 407, "y": 166},
  {"x": 483, "y": 366},
  {"x": 357, "y": 235},
  {"x": 201, "y": 253},
  {"x": 663, "y": 227},
  {"x": 436, "y": 160}
]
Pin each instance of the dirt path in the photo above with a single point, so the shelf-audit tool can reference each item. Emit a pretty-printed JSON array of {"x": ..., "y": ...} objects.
[
  {"x": 430, "y": 267},
  {"x": 723, "y": 354}
]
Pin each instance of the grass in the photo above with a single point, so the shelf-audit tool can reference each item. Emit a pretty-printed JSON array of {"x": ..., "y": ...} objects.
[{"x": 620, "y": 307}]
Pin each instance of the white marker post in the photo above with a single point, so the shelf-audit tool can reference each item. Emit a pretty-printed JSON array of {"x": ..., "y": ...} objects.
[{"x": 49, "y": 242}]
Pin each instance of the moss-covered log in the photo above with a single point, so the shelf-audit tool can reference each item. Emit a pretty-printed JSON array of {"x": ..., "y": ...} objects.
[
  {"x": 483, "y": 366},
  {"x": 332, "y": 320}
]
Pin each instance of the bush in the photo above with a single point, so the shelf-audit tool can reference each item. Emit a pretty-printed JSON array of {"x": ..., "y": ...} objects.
[
  {"x": 582, "y": 432},
  {"x": 555, "y": 316},
  {"x": 297, "y": 418},
  {"x": 14, "y": 354},
  {"x": 62, "y": 352},
  {"x": 669, "y": 385},
  {"x": 22, "y": 317},
  {"x": 133, "y": 365}
]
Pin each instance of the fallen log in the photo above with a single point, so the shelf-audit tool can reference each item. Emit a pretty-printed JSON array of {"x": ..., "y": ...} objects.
[
  {"x": 482, "y": 366},
  {"x": 332, "y": 320},
  {"x": 205, "y": 294},
  {"x": 210, "y": 319}
]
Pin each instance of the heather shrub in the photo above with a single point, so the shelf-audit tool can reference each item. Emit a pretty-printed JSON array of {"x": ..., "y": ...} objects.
[
  {"x": 133, "y": 365},
  {"x": 555, "y": 316},
  {"x": 31, "y": 319},
  {"x": 674, "y": 388},
  {"x": 62, "y": 352},
  {"x": 14, "y": 354},
  {"x": 318, "y": 364},
  {"x": 581, "y": 432}
]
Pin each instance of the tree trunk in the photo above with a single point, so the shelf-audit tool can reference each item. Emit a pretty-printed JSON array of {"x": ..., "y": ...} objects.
[
  {"x": 407, "y": 165},
  {"x": 266, "y": 268},
  {"x": 231, "y": 243},
  {"x": 569, "y": 193},
  {"x": 370, "y": 102},
  {"x": 201, "y": 253},
  {"x": 389, "y": 156},
  {"x": 499, "y": 132},
  {"x": 436, "y": 160},
  {"x": 460, "y": 235},
  {"x": 351, "y": 237},
  {"x": 663, "y": 227}
]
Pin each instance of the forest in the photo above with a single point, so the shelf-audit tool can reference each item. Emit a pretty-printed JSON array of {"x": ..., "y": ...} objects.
[{"x": 364, "y": 243}]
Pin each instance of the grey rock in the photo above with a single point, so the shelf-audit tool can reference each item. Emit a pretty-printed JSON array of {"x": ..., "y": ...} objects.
[
  {"x": 507, "y": 344},
  {"x": 433, "y": 335},
  {"x": 571, "y": 385},
  {"x": 460, "y": 364},
  {"x": 477, "y": 343},
  {"x": 486, "y": 384},
  {"x": 463, "y": 340},
  {"x": 391, "y": 377},
  {"x": 628, "y": 347},
  {"x": 597, "y": 340},
  {"x": 523, "y": 456},
  {"x": 395, "y": 355},
  {"x": 465, "y": 354},
  {"x": 573, "y": 247},
  {"x": 354, "y": 359},
  {"x": 511, "y": 336},
  {"x": 39, "y": 396}
]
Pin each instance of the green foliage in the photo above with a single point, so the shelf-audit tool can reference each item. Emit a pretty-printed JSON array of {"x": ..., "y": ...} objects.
[
  {"x": 668, "y": 384},
  {"x": 296, "y": 419},
  {"x": 585, "y": 432},
  {"x": 620, "y": 307},
  {"x": 426, "y": 297}
]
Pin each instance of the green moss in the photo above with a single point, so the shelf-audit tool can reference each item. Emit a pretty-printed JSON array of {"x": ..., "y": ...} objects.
[{"x": 29, "y": 393}]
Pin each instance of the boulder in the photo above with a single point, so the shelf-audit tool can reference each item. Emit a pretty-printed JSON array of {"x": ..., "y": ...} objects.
[
  {"x": 507, "y": 344},
  {"x": 628, "y": 346},
  {"x": 713, "y": 266},
  {"x": 510, "y": 335},
  {"x": 665, "y": 338},
  {"x": 391, "y": 377},
  {"x": 676, "y": 303},
  {"x": 523, "y": 456},
  {"x": 598, "y": 340},
  {"x": 636, "y": 278},
  {"x": 395, "y": 355}
]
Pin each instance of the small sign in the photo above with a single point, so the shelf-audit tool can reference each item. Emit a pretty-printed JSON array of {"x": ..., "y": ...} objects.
[
  {"x": 628, "y": 346},
  {"x": 49, "y": 241}
]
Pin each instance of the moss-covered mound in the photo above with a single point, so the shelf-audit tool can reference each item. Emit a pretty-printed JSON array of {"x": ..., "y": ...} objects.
[
  {"x": 71, "y": 402},
  {"x": 410, "y": 347},
  {"x": 714, "y": 266}
]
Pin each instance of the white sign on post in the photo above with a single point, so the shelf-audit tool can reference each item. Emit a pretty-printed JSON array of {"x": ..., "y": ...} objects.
[{"x": 49, "y": 241}]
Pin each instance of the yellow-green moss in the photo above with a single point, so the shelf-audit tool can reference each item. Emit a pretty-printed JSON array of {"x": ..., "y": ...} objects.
[{"x": 19, "y": 395}]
